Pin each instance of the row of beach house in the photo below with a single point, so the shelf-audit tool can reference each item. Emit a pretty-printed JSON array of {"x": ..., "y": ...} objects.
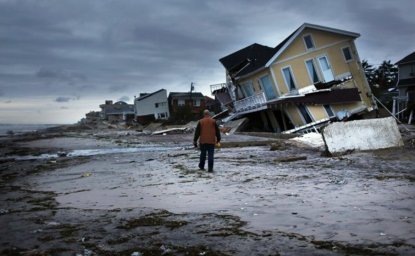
[{"x": 313, "y": 76}]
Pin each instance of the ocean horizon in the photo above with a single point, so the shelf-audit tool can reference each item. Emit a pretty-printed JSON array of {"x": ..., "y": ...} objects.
[{"x": 15, "y": 129}]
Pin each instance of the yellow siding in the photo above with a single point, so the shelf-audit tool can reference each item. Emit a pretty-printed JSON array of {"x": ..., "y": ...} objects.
[
  {"x": 347, "y": 106},
  {"x": 317, "y": 111},
  {"x": 294, "y": 115}
]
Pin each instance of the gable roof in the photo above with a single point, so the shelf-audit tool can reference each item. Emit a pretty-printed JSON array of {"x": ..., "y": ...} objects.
[
  {"x": 149, "y": 95},
  {"x": 256, "y": 56},
  {"x": 408, "y": 59},
  {"x": 284, "y": 45}
]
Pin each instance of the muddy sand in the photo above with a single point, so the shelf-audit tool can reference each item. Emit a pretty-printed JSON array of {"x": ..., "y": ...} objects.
[{"x": 84, "y": 193}]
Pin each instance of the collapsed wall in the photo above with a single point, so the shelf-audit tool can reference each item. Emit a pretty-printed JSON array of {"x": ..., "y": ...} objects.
[{"x": 367, "y": 134}]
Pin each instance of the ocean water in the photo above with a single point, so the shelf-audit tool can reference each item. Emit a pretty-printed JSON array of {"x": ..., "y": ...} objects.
[{"x": 7, "y": 129}]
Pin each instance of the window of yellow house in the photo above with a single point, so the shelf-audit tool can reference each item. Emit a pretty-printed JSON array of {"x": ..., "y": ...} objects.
[
  {"x": 305, "y": 114},
  {"x": 288, "y": 78},
  {"x": 309, "y": 42},
  {"x": 248, "y": 89},
  {"x": 329, "y": 111},
  {"x": 347, "y": 54},
  {"x": 312, "y": 71}
]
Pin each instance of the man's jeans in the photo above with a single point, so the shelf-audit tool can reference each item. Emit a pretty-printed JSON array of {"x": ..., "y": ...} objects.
[{"x": 209, "y": 149}]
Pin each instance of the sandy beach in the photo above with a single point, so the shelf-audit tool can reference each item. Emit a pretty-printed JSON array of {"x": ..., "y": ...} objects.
[{"x": 123, "y": 192}]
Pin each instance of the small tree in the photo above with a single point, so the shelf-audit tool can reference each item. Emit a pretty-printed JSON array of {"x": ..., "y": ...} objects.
[
  {"x": 369, "y": 72},
  {"x": 381, "y": 79}
]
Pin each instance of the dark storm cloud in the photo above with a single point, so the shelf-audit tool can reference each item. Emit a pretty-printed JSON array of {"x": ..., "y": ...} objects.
[
  {"x": 96, "y": 48},
  {"x": 62, "y": 75},
  {"x": 63, "y": 99}
]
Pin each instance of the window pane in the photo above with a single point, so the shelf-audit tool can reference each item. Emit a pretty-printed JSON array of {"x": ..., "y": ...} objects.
[
  {"x": 312, "y": 71},
  {"x": 269, "y": 92},
  {"x": 305, "y": 114},
  {"x": 347, "y": 53},
  {"x": 308, "y": 42},
  {"x": 289, "y": 79},
  {"x": 328, "y": 110}
]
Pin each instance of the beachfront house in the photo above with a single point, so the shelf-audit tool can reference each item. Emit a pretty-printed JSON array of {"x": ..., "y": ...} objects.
[
  {"x": 186, "y": 106},
  {"x": 151, "y": 106},
  {"x": 405, "y": 101},
  {"x": 117, "y": 112},
  {"x": 314, "y": 75}
]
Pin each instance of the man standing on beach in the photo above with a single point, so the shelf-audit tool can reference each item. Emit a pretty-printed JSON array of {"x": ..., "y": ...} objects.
[{"x": 207, "y": 131}]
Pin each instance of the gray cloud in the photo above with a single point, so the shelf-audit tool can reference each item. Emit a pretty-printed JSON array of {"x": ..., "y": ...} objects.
[
  {"x": 124, "y": 98},
  {"x": 71, "y": 77},
  {"x": 90, "y": 48},
  {"x": 62, "y": 99}
]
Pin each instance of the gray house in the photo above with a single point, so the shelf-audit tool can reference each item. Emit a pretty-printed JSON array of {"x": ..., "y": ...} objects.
[
  {"x": 405, "y": 102},
  {"x": 117, "y": 112}
]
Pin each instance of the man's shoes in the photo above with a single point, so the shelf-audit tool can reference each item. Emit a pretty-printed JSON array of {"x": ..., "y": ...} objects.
[{"x": 210, "y": 170}]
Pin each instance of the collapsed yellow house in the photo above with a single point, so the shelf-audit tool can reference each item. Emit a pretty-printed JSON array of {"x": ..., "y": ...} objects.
[{"x": 313, "y": 76}]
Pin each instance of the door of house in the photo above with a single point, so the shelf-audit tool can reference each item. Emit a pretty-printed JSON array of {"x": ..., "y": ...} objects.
[
  {"x": 326, "y": 69},
  {"x": 267, "y": 86}
]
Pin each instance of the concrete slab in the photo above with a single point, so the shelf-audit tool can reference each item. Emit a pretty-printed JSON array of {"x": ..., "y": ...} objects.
[{"x": 360, "y": 135}]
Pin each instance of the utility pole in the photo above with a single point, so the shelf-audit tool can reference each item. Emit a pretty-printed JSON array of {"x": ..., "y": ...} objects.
[{"x": 191, "y": 89}]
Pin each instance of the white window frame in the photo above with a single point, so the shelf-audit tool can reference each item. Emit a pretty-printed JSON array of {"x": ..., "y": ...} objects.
[
  {"x": 197, "y": 102},
  {"x": 344, "y": 55},
  {"x": 263, "y": 87},
  {"x": 181, "y": 102},
  {"x": 285, "y": 78},
  {"x": 315, "y": 70},
  {"x": 249, "y": 84},
  {"x": 312, "y": 42}
]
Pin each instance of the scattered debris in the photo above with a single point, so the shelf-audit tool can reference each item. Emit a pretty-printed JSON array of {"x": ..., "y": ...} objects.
[
  {"x": 62, "y": 153},
  {"x": 3, "y": 211},
  {"x": 290, "y": 158},
  {"x": 277, "y": 146},
  {"x": 312, "y": 139},
  {"x": 86, "y": 174},
  {"x": 171, "y": 130}
]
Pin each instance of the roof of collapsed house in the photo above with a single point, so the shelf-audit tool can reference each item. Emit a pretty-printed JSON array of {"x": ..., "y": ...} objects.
[
  {"x": 146, "y": 95},
  {"x": 247, "y": 59},
  {"x": 408, "y": 59},
  {"x": 256, "y": 56},
  {"x": 334, "y": 96}
]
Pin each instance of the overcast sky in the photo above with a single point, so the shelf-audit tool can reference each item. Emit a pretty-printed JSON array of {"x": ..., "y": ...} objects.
[{"x": 61, "y": 59}]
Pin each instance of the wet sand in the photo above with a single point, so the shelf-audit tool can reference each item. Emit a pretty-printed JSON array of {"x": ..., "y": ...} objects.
[{"x": 292, "y": 200}]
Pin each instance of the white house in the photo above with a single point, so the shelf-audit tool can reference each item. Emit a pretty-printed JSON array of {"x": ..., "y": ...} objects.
[{"x": 152, "y": 106}]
